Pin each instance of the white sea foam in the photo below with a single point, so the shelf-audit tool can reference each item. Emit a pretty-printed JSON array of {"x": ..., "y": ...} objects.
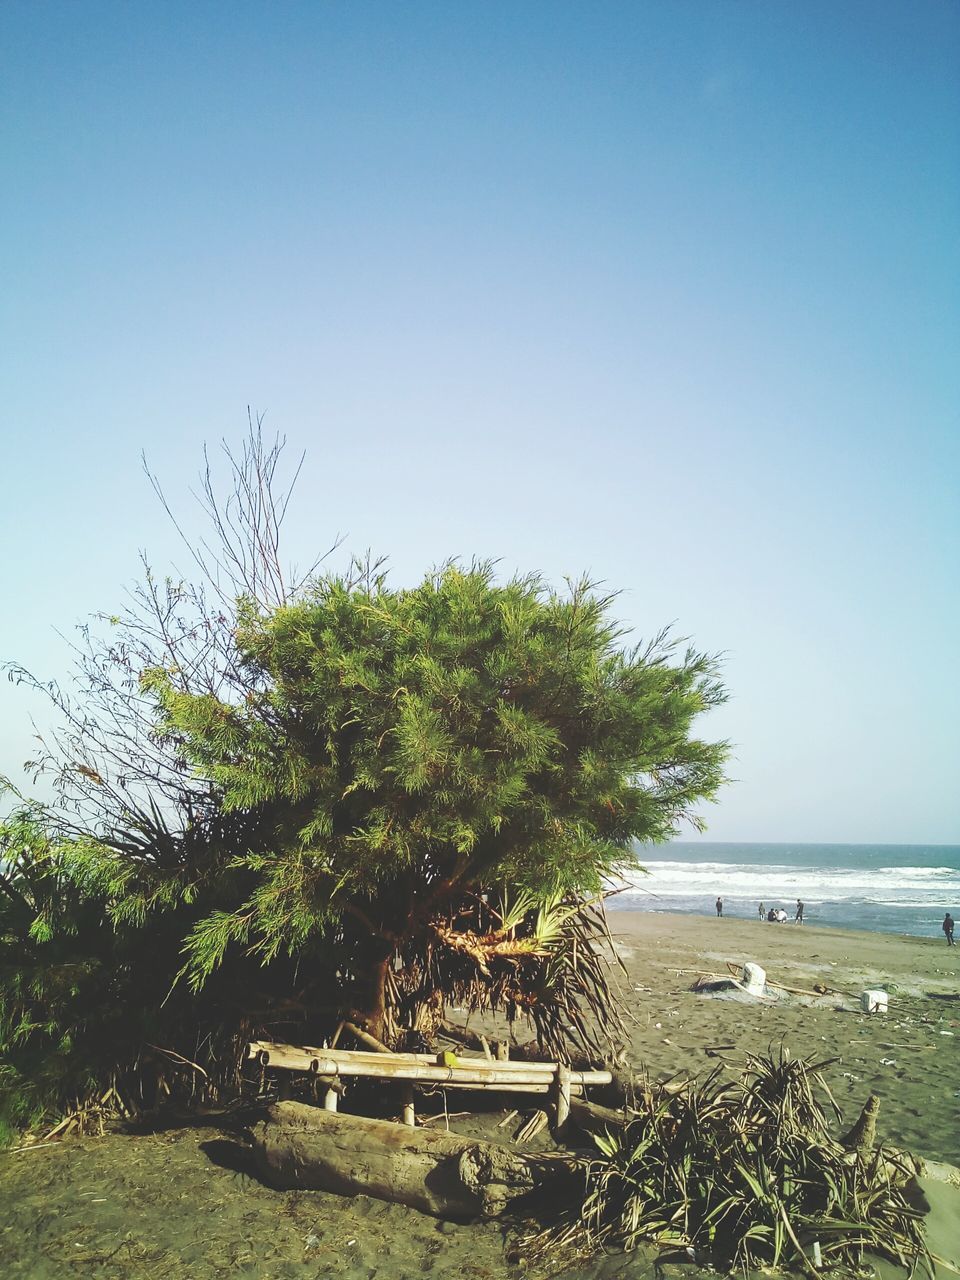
[
  {"x": 894, "y": 886},
  {"x": 851, "y": 886}
]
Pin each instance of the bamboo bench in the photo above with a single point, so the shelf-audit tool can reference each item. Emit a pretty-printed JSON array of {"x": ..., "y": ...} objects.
[{"x": 419, "y": 1068}]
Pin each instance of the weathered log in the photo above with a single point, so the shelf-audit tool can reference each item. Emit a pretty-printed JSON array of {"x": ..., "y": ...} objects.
[
  {"x": 305, "y": 1148},
  {"x": 592, "y": 1118}
]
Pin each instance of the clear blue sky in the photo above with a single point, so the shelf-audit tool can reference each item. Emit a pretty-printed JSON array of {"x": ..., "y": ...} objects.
[{"x": 667, "y": 292}]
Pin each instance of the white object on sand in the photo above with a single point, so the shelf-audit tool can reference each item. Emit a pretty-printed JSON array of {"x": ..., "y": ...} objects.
[
  {"x": 754, "y": 979},
  {"x": 873, "y": 1002}
]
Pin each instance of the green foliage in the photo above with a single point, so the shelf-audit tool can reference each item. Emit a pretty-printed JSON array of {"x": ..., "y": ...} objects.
[
  {"x": 742, "y": 1176},
  {"x": 55, "y": 967},
  {"x": 90, "y": 947},
  {"x": 406, "y": 749}
]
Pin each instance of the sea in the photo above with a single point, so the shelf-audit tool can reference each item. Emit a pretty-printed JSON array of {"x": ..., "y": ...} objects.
[{"x": 880, "y": 888}]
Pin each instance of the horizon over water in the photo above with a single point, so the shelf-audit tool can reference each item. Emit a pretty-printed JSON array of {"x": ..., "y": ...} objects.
[{"x": 878, "y": 888}]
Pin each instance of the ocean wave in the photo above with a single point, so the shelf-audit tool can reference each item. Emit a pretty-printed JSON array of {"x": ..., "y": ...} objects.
[
  {"x": 919, "y": 886},
  {"x": 906, "y": 903},
  {"x": 918, "y": 872},
  {"x": 847, "y": 886}
]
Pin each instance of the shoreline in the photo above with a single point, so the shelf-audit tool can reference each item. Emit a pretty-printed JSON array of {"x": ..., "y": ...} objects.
[{"x": 744, "y": 911}]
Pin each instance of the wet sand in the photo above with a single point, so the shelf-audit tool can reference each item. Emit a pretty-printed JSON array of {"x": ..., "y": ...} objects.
[{"x": 181, "y": 1203}]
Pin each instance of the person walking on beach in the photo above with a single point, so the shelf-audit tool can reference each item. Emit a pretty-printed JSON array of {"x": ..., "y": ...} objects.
[
  {"x": 947, "y": 928},
  {"x": 760, "y": 911},
  {"x": 798, "y": 918},
  {"x": 719, "y": 906}
]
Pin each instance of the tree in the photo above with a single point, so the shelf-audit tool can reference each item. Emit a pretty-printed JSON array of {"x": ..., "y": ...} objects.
[
  {"x": 442, "y": 777},
  {"x": 358, "y": 799}
]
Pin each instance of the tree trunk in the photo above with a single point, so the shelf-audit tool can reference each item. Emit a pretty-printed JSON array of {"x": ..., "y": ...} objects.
[
  {"x": 305, "y": 1148},
  {"x": 375, "y": 1014}
]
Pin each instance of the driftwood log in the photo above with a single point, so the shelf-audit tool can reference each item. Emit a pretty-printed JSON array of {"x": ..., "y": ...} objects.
[
  {"x": 590, "y": 1117},
  {"x": 304, "y": 1148}
]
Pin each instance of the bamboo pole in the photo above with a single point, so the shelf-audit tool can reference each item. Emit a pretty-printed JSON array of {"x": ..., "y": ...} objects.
[
  {"x": 562, "y": 1101},
  {"x": 434, "y": 1074},
  {"x": 304, "y": 1055},
  {"x": 365, "y": 1037},
  {"x": 409, "y": 1112},
  {"x": 422, "y": 1059},
  {"x": 532, "y": 1127},
  {"x": 476, "y": 1073}
]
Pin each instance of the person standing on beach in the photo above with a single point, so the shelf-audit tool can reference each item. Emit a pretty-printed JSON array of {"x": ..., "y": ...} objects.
[
  {"x": 798, "y": 918},
  {"x": 760, "y": 911},
  {"x": 719, "y": 906},
  {"x": 947, "y": 928}
]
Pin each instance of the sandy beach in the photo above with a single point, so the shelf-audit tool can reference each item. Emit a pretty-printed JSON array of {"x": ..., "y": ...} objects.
[
  {"x": 178, "y": 1202},
  {"x": 910, "y": 1055}
]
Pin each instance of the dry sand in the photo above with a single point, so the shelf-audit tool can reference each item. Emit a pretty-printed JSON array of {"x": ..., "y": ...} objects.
[{"x": 179, "y": 1203}]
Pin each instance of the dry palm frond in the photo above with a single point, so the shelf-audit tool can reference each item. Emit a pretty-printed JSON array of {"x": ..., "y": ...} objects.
[
  {"x": 550, "y": 961},
  {"x": 485, "y": 948},
  {"x": 742, "y": 1175}
]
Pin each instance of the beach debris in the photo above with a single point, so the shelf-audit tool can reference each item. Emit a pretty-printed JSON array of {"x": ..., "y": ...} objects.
[
  {"x": 873, "y": 1001},
  {"x": 754, "y": 979},
  {"x": 299, "y": 1147},
  {"x": 862, "y": 1138},
  {"x": 714, "y": 1050},
  {"x": 531, "y": 1128},
  {"x": 90, "y": 1117},
  {"x": 818, "y": 988},
  {"x": 749, "y": 979},
  {"x": 707, "y": 1170}
]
